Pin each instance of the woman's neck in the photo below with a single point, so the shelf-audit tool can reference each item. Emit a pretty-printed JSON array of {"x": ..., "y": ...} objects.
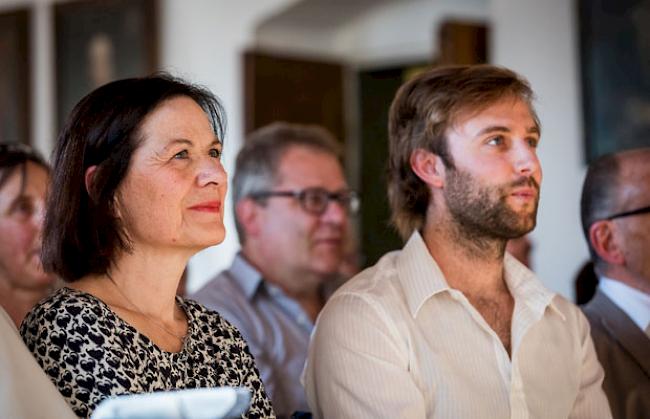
[{"x": 148, "y": 280}]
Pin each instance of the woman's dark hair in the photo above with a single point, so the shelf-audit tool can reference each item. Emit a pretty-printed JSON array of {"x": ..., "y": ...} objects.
[
  {"x": 14, "y": 156},
  {"x": 82, "y": 233}
]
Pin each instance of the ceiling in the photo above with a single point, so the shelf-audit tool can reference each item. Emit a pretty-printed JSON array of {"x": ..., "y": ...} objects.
[{"x": 323, "y": 14}]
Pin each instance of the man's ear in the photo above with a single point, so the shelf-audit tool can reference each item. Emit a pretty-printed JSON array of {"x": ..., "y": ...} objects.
[
  {"x": 602, "y": 235},
  {"x": 88, "y": 178},
  {"x": 247, "y": 212},
  {"x": 429, "y": 167}
]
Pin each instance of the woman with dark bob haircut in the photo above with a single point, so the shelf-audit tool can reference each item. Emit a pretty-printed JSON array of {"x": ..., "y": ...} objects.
[{"x": 137, "y": 188}]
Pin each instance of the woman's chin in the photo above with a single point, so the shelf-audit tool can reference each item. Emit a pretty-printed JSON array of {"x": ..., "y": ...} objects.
[{"x": 210, "y": 238}]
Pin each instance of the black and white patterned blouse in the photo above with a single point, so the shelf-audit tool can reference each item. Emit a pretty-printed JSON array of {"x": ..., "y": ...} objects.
[{"x": 90, "y": 353}]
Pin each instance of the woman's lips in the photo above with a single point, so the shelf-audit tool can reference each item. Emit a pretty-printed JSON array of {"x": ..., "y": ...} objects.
[{"x": 209, "y": 206}]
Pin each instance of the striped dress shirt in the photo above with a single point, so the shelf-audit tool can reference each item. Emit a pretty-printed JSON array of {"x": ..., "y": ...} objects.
[{"x": 397, "y": 342}]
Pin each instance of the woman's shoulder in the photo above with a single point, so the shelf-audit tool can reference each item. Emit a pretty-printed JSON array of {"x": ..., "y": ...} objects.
[{"x": 64, "y": 308}]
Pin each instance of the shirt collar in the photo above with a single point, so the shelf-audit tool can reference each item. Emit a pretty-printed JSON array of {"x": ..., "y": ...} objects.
[
  {"x": 633, "y": 302},
  {"x": 422, "y": 279},
  {"x": 526, "y": 288},
  {"x": 419, "y": 273},
  {"x": 247, "y": 277},
  {"x": 252, "y": 283}
]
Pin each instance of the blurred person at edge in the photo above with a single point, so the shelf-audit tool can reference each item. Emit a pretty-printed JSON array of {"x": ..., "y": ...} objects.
[
  {"x": 292, "y": 207},
  {"x": 24, "y": 176},
  {"x": 23, "y": 180},
  {"x": 615, "y": 209},
  {"x": 137, "y": 188}
]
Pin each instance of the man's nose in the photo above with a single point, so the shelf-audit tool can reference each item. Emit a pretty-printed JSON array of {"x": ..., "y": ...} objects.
[
  {"x": 335, "y": 212},
  {"x": 526, "y": 161}
]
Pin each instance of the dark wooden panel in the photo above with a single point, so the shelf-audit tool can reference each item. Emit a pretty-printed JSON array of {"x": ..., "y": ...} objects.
[
  {"x": 293, "y": 90},
  {"x": 15, "y": 76},
  {"x": 376, "y": 90},
  {"x": 99, "y": 41},
  {"x": 463, "y": 43},
  {"x": 615, "y": 70}
]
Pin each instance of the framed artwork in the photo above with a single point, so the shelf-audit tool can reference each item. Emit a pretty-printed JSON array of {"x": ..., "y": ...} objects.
[
  {"x": 615, "y": 67},
  {"x": 15, "y": 74},
  {"x": 99, "y": 41}
]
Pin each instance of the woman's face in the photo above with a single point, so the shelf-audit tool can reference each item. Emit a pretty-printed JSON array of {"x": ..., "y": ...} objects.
[
  {"x": 173, "y": 194},
  {"x": 21, "y": 221}
]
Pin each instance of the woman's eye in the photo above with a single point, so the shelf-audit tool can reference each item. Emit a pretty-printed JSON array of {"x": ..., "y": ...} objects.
[
  {"x": 182, "y": 155},
  {"x": 215, "y": 152},
  {"x": 23, "y": 207}
]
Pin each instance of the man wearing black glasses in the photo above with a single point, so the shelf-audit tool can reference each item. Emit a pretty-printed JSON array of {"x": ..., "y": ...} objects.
[
  {"x": 292, "y": 205},
  {"x": 615, "y": 209}
]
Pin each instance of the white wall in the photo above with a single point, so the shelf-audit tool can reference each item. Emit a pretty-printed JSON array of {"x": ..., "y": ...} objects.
[
  {"x": 398, "y": 32},
  {"x": 539, "y": 40}
]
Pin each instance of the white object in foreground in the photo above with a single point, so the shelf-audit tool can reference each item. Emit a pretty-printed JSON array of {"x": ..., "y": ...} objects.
[{"x": 201, "y": 403}]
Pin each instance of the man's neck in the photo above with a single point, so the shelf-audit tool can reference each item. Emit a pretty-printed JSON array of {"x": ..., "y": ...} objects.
[
  {"x": 470, "y": 264},
  {"x": 304, "y": 287},
  {"x": 474, "y": 267}
]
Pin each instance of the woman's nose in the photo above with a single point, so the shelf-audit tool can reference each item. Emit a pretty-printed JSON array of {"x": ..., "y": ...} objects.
[{"x": 211, "y": 171}]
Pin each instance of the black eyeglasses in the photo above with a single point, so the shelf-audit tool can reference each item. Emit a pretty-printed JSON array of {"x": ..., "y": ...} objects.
[
  {"x": 628, "y": 213},
  {"x": 315, "y": 200}
]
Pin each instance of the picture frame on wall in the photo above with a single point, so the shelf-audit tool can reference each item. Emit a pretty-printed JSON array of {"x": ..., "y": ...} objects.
[
  {"x": 615, "y": 70},
  {"x": 15, "y": 76},
  {"x": 98, "y": 41}
]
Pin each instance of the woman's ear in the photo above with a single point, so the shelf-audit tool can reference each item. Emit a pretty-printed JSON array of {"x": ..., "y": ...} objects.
[
  {"x": 602, "y": 235},
  {"x": 429, "y": 167},
  {"x": 88, "y": 178}
]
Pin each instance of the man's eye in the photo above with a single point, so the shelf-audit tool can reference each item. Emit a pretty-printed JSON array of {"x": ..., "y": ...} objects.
[
  {"x": 182, "y": 155},
  {"x": 215, "y": 152},
  {"x": 498, "y": 140},
  {"x": 533, "y": 142}
]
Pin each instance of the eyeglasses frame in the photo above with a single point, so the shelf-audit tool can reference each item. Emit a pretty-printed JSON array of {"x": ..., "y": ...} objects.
[{"x": 351, "y": 207}]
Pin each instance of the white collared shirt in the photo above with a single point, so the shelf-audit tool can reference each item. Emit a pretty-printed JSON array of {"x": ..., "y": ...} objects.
[
  {"x": 397, "y": 342},
  {"x": 633, "y": 302}
]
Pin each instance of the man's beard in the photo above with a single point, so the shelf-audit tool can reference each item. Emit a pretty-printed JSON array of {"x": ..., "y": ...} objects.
[{"x": 482, "y": 213}]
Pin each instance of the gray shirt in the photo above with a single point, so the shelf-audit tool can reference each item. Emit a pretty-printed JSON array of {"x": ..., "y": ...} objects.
[{"x": 275, "y": 326}]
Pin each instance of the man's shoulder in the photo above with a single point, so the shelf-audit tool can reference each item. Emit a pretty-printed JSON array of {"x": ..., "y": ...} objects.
[
  {"x": 599, "y": 308},
  {"x": 221, "y": 293},
  {"x": 224, "y": 284},
  {"x": 373, "y": 280},
  {"x": 572, "y": 314},
  {"x": 373, "y": 293}
]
